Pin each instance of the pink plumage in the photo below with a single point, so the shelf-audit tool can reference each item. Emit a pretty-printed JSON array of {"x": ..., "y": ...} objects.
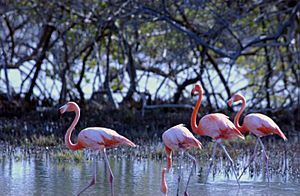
[
  {"x": 218, "y": 126},
  {"x": 95, "y": 139},
  {"x": 179, "y": 137},
  {"x": 258, "y": 124},
  {"x": 261, "y": 125}
]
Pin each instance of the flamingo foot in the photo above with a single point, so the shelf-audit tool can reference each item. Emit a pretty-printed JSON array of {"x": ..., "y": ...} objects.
[
  {"x": 111, "y": 181},
  {"x": 252, "y": 158},
  {"x": 178, "y": 183},
  {"x": 211, "y": 162},
  {"x": 231, "y": 162},
  {"x": 266, "y": 159},
  {"x": 111, "y": 178},
  {"x": 193, "y": 168},
  {"x": 93, "y": 182},
  {"x": 179, "y": 175}
]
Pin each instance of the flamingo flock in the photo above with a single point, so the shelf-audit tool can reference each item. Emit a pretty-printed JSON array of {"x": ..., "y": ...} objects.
[{"x": 178, "y": 138}]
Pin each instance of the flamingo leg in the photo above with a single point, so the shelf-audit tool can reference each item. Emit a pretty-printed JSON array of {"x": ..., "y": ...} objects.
[
  {"x": 111, "y": 176},
  {"x": 179, "y": 175},
  {"x": 164, "y": 186},
  {"x": 252, "y": 158},
  {"x": 211, "y": 161},
  {"x": 93, "y": 181},
  {"x": 266, "y": 158},
  {"x": 192, "y": 170},
  {"x": 231, "y": 162}
]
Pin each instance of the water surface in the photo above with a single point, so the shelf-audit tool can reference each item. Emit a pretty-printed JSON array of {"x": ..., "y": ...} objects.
[{"x": 45, "y": 176}]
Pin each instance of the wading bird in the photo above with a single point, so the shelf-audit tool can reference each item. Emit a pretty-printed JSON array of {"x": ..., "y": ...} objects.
[
  {"x": 217, "y": 126},
  {"x": 258, "y": 124},
  {"x": 94, "y": 138},
  {"x": 178, "y": 138}
]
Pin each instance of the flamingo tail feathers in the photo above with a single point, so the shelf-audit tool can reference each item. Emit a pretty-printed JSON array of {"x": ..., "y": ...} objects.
[
  {"x": 197, "y": 143},
  {"x": 239, "y": 134},
  {"x": 128, "y": 142},
  {"x": 281, "y": 134}
]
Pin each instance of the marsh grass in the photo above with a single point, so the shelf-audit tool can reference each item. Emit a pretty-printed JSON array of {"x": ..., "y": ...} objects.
[
  {"x": 284, "y": 157},
  {"x": 43, "y": 140},
  {"x": 40, "y": 136},
  {"x": 76, "y": 156}
]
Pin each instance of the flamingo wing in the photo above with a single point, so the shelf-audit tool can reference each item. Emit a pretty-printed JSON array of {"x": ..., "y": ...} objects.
[
  {"x": 179, "y": 137},
  {"x": 99, "y": 137},
  {"x": 118, "y": 138},
  {"x": 218, "y": 126},
  {"x": 188, "y": 140},
  {"x": 261, "y": 125}
]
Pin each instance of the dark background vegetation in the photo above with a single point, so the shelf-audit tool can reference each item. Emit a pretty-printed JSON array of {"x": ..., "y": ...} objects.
[{"x": 119, "y": 58}]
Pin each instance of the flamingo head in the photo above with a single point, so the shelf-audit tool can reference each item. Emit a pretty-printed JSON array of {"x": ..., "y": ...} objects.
[
  {"x": 197, "y": 88},
  {"x": 235, "y": 98},
  {"x": 68, "y": 107}
]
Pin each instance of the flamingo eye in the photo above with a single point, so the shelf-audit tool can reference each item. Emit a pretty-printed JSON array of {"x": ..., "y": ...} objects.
[{"x": 235, "y": 98}]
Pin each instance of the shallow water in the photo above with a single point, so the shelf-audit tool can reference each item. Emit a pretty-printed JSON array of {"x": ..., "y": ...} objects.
[{"x": 45, "y": 176}]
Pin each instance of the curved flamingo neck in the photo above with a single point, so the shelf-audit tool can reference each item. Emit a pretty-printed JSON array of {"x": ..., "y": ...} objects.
[
  {"x": 195, "y": 127},
  {"x": 68, "y": 141},
  {"x": 238, "y": 115},
  {"x": 169, "y": 157}
]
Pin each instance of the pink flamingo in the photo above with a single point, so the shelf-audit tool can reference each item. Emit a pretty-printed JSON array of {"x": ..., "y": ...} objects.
[
  {"x": 217, "y": 126},
  {"x": 93, "y": 138},
  {"x": 178, "y": 138},
  {"x": 258, "y": 124}
]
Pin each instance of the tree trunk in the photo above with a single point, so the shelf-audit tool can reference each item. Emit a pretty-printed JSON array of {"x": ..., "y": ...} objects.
[
  {"x": 8, "y": 93},
  {"x": 182, "y": 86},
  {"x": 107, "y": 77},
  {"x": 131, "y": 70},
  {"x": 63, "y": 91},
  {"x": 77, "y": 85},
  {"x": 202, "y": 67},
  {"x": 219, "y": 72},
  {"x": 267, "y": 80},
  {"x": 65, "y": 67},
  {"x": 44, "y": 42}
]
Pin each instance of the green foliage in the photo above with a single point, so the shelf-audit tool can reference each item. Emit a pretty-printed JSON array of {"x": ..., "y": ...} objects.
[
  {"x": 103, "y": 4},
  {"x": 92, "y": 63}
]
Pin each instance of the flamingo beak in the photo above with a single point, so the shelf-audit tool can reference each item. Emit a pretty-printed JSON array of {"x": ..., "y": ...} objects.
[
  {"x": 62, "y": 109},
  {"x": 59, "y": 114},
  {"x": 230, "y": 102},
  {"x": 193, "y": 92}
]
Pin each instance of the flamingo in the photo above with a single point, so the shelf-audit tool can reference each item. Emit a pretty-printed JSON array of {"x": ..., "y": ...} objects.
[
  {"x": 258, "y": 124},
  {"x": 178, "y": 138},
  {"x": 217, "y": 126},
  {"x": 94, "y": 138}
]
